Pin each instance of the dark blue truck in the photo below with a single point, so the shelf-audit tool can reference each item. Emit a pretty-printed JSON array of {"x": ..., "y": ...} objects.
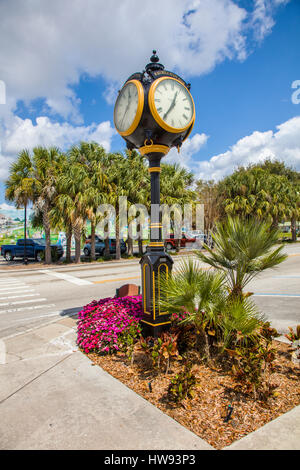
[{"x": 35, "y": 248}]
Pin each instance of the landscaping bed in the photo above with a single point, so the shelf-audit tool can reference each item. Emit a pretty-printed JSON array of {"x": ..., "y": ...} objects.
[
  {"x": 205, "y": 413},
  {"x": 220, "y": 369}
]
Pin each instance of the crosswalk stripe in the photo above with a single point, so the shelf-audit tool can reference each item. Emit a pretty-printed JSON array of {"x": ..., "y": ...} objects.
[
  {"x": 21, "y": 309},
  {"x": 66, "y": 277},
  {"x": 17, "y": 290},
  {"x": 18, "y": 296},
  {"x": 51, "y": 314},
  {"x": 18, "y": 302},
  {"x": 13, "y": 286}
]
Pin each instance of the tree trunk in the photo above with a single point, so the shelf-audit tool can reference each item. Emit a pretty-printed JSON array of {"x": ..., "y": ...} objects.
[
  {"x": 294, "y": 229},
  {"x": 69, "y": 241},
  {"x": 118, "y": 248},
  {"x": 140, "y": 244},
  {"x": 77, "y": 236},
  {"x": 93, "y": 241},
  {"x": 129, "y": 246},
  {"x": 106, "y": 249},
  {"x": 47, "y": 229},
  {"x": 275, "y": 222}
]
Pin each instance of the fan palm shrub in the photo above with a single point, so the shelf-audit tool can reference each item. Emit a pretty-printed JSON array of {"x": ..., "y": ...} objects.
[
  {"x": 243, "y": 248},
  {"x": 216, "y": 317},
  {"x": 199, "y": 294}
]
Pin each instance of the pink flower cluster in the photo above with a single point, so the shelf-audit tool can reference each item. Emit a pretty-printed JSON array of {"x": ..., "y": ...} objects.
[
  {"x": 104, "y": 325},
  {"x": 179, "y": 317}
]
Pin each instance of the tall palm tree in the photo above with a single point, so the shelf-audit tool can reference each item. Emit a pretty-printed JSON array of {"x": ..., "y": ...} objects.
[
  {"x": 243, "y": 249},
  {"x": 138, "y": 189},
  {"x": 72, "y": 201},
  {"x": 47, "y": 164},
  {"x": 118, "y": 178},
  {"x": 175, "y": 187},
  {"x": 93, "y": 159},
  {"x": 21, "y": 186}
]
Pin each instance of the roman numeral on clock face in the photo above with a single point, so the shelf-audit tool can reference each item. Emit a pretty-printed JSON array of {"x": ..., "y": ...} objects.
[{"x": 173, "y": 103}]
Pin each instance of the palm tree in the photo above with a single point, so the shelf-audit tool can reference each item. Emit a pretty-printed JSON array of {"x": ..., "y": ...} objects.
[
  {"x": 72, "y": 201},
  {"x": 21, "y": 186},
  {"x": 243, "y": 249},
  {"x": 138, "y": 189},
  {"x": 175, "y": 187},
  {"x": 118, "y": 177},
  {"x": 266, "y": 191},
  {"x": 202, "y": 297},
  {"x": 47, "y": 167},
  {"x": 94, "y": 161}
]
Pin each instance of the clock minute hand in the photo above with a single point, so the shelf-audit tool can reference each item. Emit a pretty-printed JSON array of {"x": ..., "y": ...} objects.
[
  {"x": 171, "y": 107},
  {"x": 127, "y": 107}
]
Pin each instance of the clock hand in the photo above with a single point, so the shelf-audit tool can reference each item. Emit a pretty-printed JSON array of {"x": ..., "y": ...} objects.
[
  {"x": 127, "y": 107},
  {"x": 171, "y": 107}
]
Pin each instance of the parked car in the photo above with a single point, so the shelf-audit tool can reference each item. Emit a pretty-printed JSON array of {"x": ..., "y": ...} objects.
[
  {"x": 100, "y": 246},
  {"x": 171, "y": 243},
  {"x": 202, "y": 237},
  {"x": 35, "y": 249}
]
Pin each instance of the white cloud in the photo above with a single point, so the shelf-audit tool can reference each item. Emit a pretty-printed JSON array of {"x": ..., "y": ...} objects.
[
  {"x": 283, "y": 144},
  {"x": 189, "y": 148},
  {"x": 6, "y": 207},
  {"x": 23, "y": 133},
  {"x": 46, "y": 46}
]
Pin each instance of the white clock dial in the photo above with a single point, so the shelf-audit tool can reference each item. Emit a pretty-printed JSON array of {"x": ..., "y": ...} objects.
[
  {"x": 173, "y": 103},
  {"x": 126, "y": 107}
]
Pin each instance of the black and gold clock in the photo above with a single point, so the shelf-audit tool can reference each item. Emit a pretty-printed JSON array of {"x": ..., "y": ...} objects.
[{"x": 154, "y": 110}]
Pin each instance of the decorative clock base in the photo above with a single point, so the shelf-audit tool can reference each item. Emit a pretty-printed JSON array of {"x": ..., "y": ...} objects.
[{"x": 154, "y": 263}]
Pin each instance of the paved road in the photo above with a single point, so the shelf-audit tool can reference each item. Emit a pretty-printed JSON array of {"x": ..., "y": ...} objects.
[{"x": 32, "y": 297}]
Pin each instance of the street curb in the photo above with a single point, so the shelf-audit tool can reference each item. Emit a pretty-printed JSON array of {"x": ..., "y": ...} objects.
[{"x": 83, "y": 265}]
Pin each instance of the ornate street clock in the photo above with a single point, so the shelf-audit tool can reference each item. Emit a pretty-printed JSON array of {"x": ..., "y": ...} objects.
[{"x": 154, "y": 112}]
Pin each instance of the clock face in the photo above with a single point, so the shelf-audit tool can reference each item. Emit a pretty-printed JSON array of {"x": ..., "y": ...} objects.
[
  {"x": 171, "y": 105},
  {"x": 128, "y": 107}
]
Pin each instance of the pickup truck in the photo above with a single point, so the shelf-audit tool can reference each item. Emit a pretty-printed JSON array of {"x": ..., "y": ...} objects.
[{"x": 35, "y": 248}]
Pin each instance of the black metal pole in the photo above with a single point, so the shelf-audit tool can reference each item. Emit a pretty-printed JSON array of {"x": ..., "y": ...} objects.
[
  {"x": 155, "y": 263},
  {"x": 155, "y": 223}
]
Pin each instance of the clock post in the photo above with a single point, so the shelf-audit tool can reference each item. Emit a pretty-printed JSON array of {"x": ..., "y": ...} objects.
[{"x": 154, "y": 112}]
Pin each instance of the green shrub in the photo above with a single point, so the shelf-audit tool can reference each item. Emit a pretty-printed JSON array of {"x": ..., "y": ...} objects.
[{"x": 182, "y": 385}]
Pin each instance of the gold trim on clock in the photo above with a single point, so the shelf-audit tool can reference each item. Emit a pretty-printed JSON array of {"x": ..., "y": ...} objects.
[
  {"x": 191, "y": 128},
  {"x": 155, "y": 114},
  {"x": 139, "y": 110},
  {"x": 154, "y": 148},
  {"x": 154, "y": 169}
]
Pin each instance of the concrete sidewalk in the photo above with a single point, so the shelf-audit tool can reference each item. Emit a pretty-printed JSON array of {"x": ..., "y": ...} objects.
[{"x": 51, "y": 397}]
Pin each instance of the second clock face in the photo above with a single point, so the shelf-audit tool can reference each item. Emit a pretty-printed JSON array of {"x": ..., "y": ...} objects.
[
  {"x": 128, "y": 108},
  {"x": 173, "y": 104}
]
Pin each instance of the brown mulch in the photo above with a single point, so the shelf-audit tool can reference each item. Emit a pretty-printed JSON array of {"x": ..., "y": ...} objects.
[{"x": 204, "y": 414}]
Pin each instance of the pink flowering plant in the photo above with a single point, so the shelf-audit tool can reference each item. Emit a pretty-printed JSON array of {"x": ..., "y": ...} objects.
[{"x": 110, "y": 325}]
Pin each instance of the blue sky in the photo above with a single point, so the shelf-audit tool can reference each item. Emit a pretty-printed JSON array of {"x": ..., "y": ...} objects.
[{"x": 62, "y": 67}]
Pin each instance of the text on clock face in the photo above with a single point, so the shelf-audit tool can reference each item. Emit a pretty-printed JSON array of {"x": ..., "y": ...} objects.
[{"x": 173, "y": 103}]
